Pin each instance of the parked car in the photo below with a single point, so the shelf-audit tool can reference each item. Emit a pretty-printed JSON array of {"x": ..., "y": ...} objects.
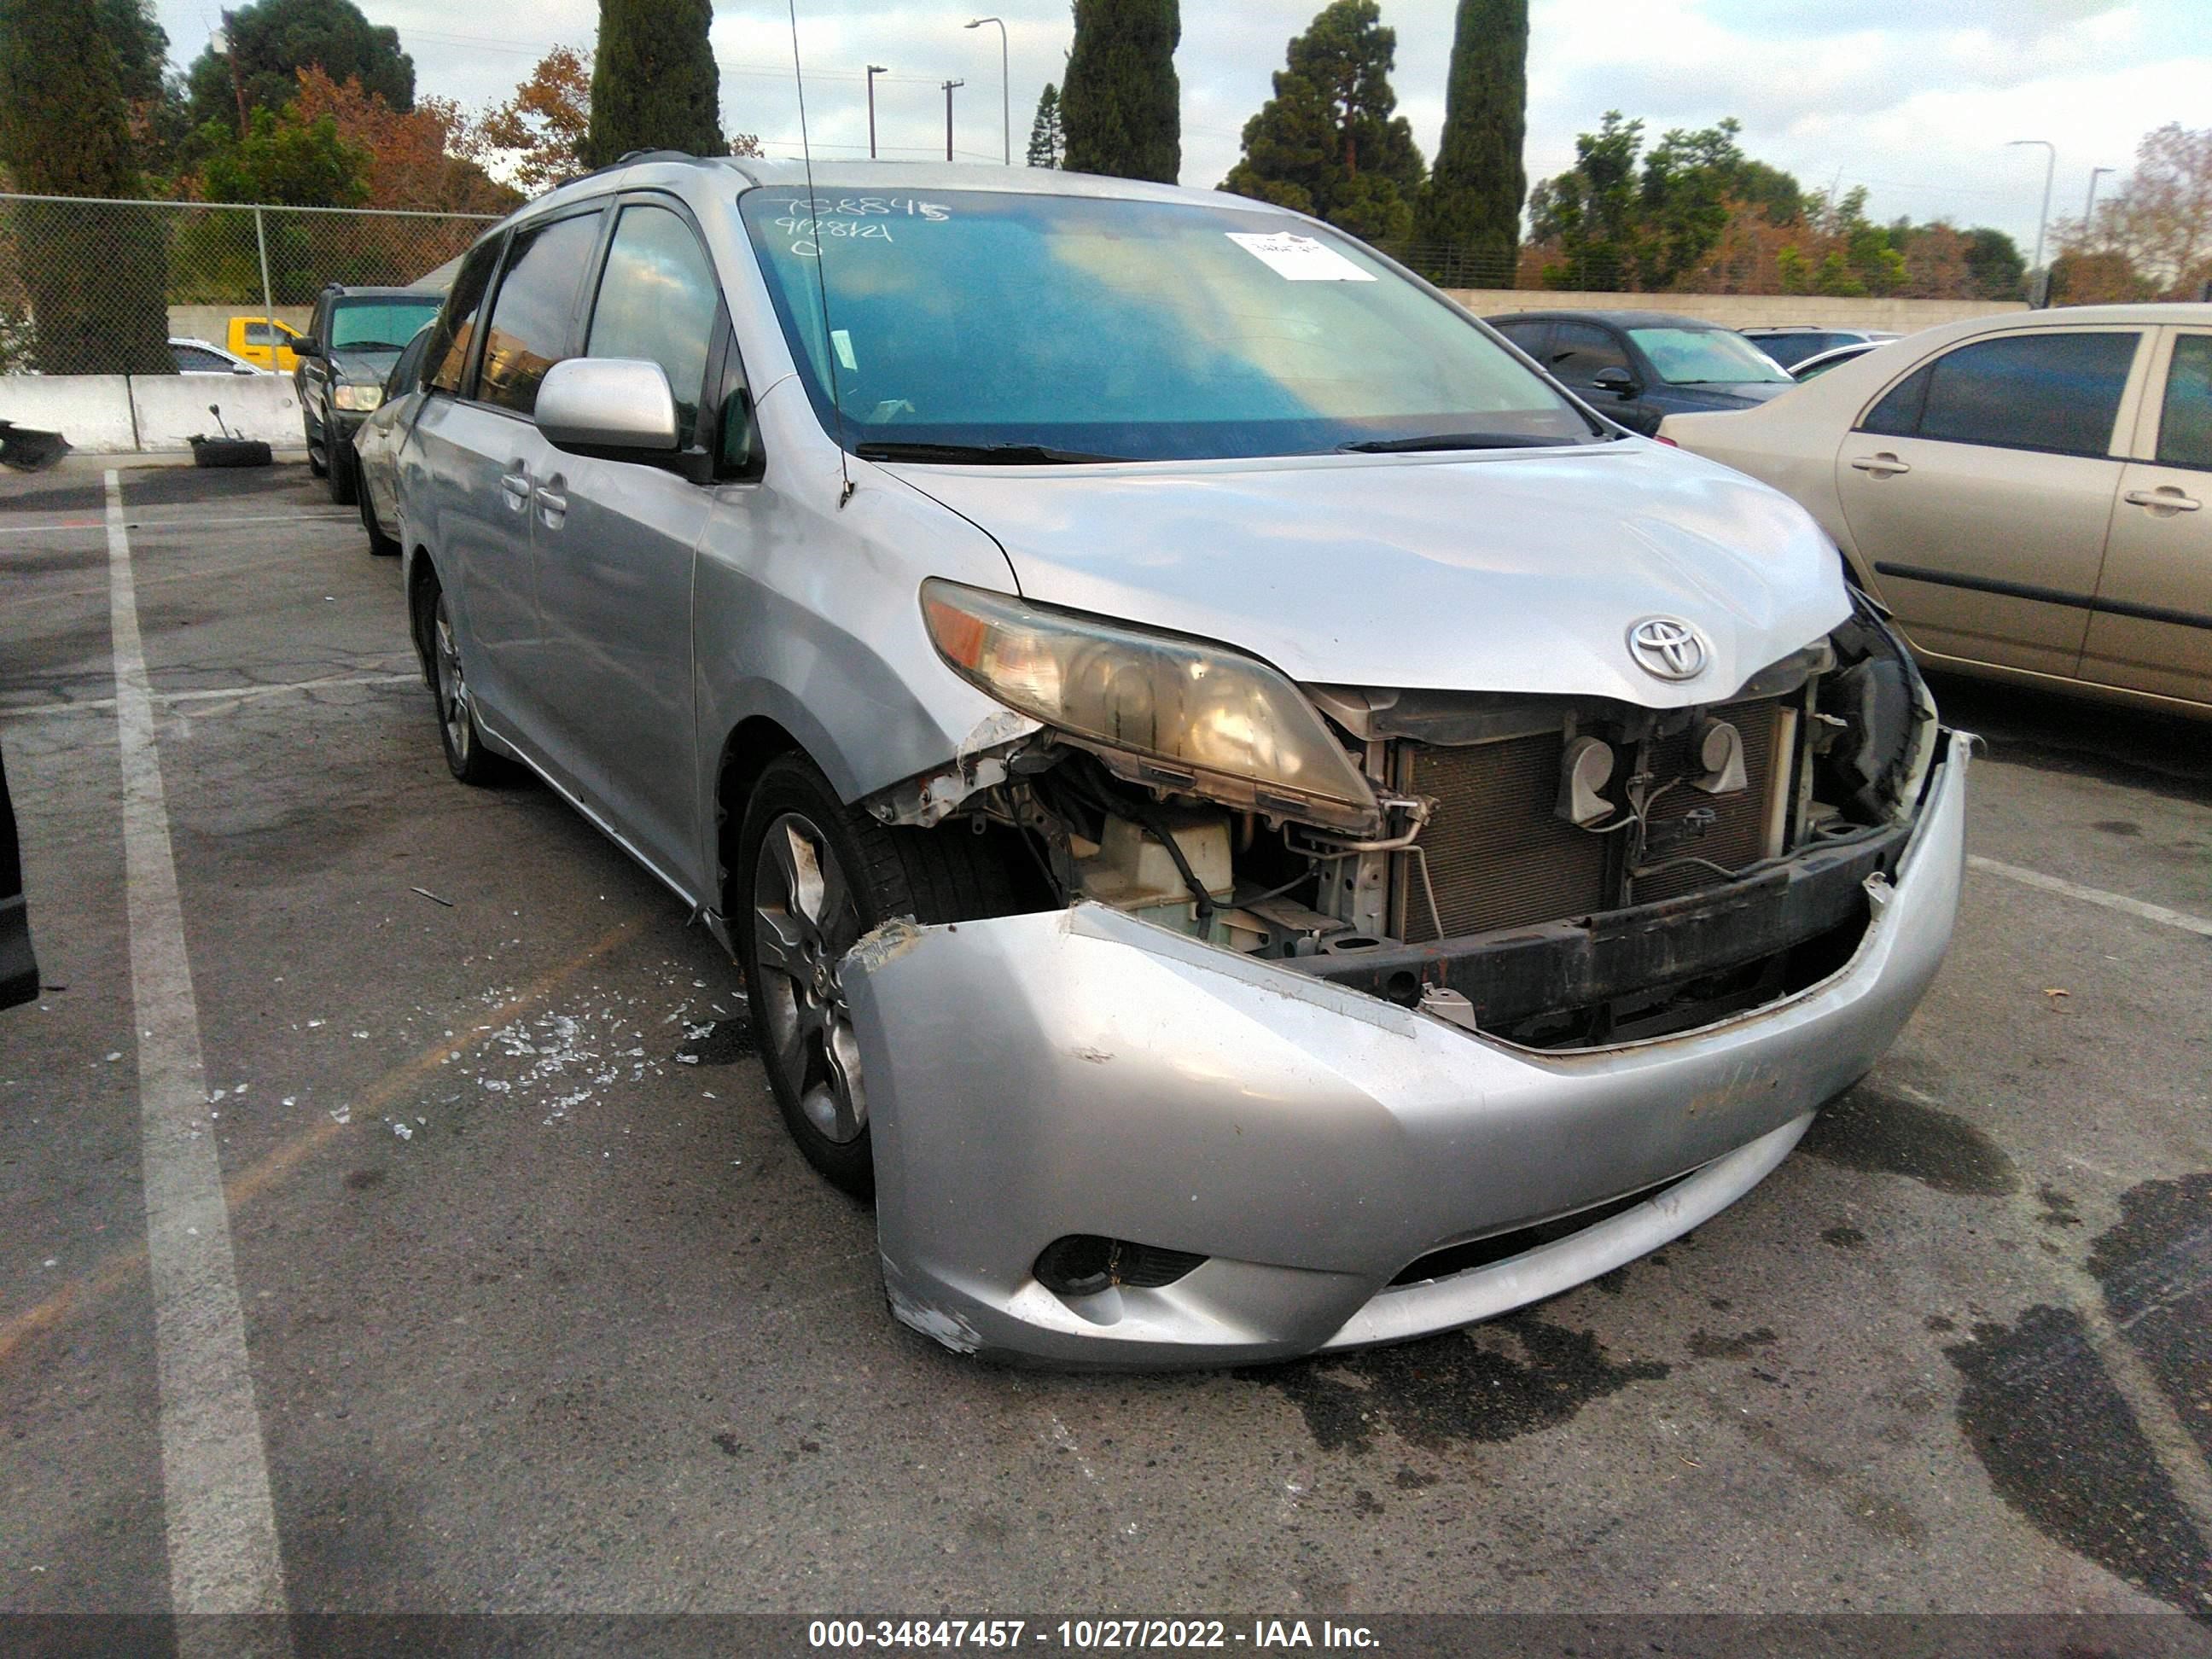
[
  {"x": 1638, "y": 366},
  {"x": 1811, "y": 367},
  {"x": 1791, "y": 344},
  {"x": 204, "y": 358},
  {"x": 357, "y": 335},
  {"x": 19, "y": 969},
  {"x": 2024, "y": 494},
  {"x": 1252, "y": 820},
  {"x": 264, "y": 341},
  {"x": 376, "y": 446}
]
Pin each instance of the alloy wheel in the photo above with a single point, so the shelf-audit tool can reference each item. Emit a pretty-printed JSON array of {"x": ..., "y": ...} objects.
[{"x": 804, "y": 918}]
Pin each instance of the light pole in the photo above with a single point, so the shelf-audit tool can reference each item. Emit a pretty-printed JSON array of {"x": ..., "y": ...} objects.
[
  {"x": 1005, "y": 97},
  {"x": 874, "y": 69},
  {"x": 2089, "y": 207},
  {"x": 949, "y": 85},
  {"x": 2050, "y": 166}
]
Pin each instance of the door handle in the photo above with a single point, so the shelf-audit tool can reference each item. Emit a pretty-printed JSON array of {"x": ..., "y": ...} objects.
[
  {"x": 552, "y": 504},
  {"x": 514, "y": 487},
  {"x": 1882, "y": 465},
  {"x": 2165, "y": 498}
]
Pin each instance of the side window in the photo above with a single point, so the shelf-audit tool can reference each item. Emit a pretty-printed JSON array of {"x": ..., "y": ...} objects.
[
  {"x": 259, "y": 334},
  {"x": 1580, "y": 350},
  {"x": 657, "y": 300},
  {"x": 407, "y": 373},
  {"x": 528, "y": 332},
  {"x": 2185, "y": 426},
  {"x": 2049, "y": 391},
  {"x": 1529, "y": 336},
  {"x": 1897, "y": 414},
  {"x": 447, "y": 354}
]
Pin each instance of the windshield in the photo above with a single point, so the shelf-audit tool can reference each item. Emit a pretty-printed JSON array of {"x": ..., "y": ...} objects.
[
  {"x": 1047, "y": 327},
  {"x": 380, "y": 324},
  {"x": 1706, "y": 356}
]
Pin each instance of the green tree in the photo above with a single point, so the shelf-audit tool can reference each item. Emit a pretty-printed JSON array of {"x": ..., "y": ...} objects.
[
  {"x": 275, "y": 39},
  {"x": 1623, "y": 219},
  {"x": 1472, "y": 203},
  {"x": 654, "y": 85},
  {"x": 1327, "y": 142},
  {"x": 1048, "y": 138},
  {"x": 296, "y": 163},
  {"x": 93, "y": 276},
  {"x": 1997, "y": 263},
  {"x": 1121, "y": 106}
]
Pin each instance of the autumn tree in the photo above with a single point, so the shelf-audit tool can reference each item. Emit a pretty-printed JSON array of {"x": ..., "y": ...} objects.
[
  {"x": 544, "y": 127},
  {"x": 2159, "y": 221},
  {"x": 1047, "y": 139},
  {"x": 1472, "y": 203},
  {"x": 1327, "y": 142},
  {"x": 94, "y": 277},
  {"x": 274, "y": 40},
  {"x": 654, "y": 85},
  {"x": 425, "y": 159},
  {"x": 1121, "y": 104}
]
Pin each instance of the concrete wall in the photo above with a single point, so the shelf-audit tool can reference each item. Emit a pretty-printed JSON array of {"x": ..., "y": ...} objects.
[
  {"x": 212, "y": 322},
  {"x": 1745, "y": 310},
  {"x": 152, "y": 414}
]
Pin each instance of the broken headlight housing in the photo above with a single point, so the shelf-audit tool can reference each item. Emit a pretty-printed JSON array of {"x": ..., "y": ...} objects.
[
  {"x": 357, "y": 398},
  {"x": 1157, "y": 708}
]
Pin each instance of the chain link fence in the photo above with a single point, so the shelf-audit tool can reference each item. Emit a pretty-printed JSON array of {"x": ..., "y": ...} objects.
[{"x": 92, "y": 286}]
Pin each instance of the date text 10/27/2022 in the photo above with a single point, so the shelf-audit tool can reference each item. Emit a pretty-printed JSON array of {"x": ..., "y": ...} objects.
[{"x": 1090, "y": 1635}]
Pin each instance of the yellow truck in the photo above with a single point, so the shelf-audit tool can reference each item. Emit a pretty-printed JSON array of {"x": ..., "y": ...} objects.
[{"x": 265, "y": 342}]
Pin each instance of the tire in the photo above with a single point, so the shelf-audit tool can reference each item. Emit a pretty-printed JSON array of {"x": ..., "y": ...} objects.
[
  {"x": 383, "y": 546},
  {"x": 318, "y": 458},
  {"x": 802, "y": 850},
  {"x": 230, "y": 452},
  {"x": 466, "y": 757},
  {"x": 340, "y": 476}
]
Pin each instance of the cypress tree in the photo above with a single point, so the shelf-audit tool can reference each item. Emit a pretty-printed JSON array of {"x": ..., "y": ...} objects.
[
  {"x": 1119, "y": 103},
  {"x": 1047, "y": 141},
  {"x": 1472, "y": 204},
  {"x": 654, "y": 85},
  {"x": 96, "y": 276},
  {"x": 1327, "y": 142}
]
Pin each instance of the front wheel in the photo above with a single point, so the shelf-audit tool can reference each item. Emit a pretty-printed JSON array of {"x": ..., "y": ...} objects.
[
  {"x": 384, "y": 546},
  {"x": 814, "y": 875},
  {"x": 465, "y": 754},
  {"x": 341, "y": 477}
]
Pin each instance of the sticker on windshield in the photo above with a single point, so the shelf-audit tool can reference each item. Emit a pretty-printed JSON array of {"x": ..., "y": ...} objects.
[{"x": 1300, "y": 258}]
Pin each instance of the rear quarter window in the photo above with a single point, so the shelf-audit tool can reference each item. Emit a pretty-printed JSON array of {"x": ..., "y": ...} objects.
[{"x": 2052, "y": 390}]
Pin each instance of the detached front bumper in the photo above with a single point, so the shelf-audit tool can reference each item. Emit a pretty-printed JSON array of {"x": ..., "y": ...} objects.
[{"x": 1079, "y": 1072}]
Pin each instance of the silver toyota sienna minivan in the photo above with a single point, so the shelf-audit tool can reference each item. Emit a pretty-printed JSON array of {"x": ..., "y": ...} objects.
[{"x": 1252, "y": 820}]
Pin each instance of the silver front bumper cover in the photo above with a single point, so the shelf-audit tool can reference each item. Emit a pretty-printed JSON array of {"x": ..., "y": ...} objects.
[{"x": 1078, "y": 1070}]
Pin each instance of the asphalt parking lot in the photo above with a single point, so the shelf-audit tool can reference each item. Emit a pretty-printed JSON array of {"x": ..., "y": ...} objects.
[{"x": 542, "y": 1312}]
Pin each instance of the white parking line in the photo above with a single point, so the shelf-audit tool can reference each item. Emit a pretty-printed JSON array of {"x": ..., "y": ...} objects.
[
  {"x": 216, "y": 694},
  {"x": 220, "y": 1524},
  {"x": 2120, "y": 901},
  {"x": 185, "y": 522}
]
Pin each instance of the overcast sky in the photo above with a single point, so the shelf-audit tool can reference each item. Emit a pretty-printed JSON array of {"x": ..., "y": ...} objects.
[{"x": 1913, "y": 99}]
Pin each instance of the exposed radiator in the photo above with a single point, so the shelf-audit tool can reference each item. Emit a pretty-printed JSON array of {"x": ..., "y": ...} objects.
[{"x": 1500, "y": 856}]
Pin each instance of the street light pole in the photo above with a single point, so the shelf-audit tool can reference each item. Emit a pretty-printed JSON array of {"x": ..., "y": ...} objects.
[
  {"x": 949, "y": 85},
  {"x": 874, "y": 69},
  {"x": 2050, "y": 166},
  {"x": 2089, "y": 207},
  {"x": 1005, "y": 96}
]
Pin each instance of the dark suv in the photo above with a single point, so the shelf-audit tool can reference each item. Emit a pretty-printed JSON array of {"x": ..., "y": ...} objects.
[
  {"x": 1639, "y": 367},
  {"x": 348, "y": 351}
]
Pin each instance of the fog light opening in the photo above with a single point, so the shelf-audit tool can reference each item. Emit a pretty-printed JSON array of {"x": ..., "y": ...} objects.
[{"x": 1083, "y": 1264}]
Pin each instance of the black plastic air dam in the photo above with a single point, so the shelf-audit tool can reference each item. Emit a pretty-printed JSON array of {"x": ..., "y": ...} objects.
[{"x": 1512, "y": 973}]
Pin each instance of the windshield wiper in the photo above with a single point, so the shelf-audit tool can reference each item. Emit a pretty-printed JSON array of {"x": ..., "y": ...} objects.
[
  {"x": 369, "y": 345},
  {"x": 983, "y": 454},
  {"x": 1451, "y": 440}
]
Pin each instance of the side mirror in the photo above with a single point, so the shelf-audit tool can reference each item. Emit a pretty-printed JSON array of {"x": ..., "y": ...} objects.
[
  {"x": 618, "y": 408},
  {"x": 305, "y": 345},
  {"x": 1618, "y": 381}
]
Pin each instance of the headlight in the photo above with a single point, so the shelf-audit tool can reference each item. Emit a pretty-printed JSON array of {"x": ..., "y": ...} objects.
[
  {"x": 358, "y": 398},
  {"x": 1191, "y": 713}
]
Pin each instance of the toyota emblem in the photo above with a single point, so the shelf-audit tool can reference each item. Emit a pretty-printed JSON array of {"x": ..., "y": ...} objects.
[{"x": 1667, "y": 649}]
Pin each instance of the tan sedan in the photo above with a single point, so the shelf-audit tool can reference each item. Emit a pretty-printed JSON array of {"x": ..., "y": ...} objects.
[{"x": 2030, "y": 494}]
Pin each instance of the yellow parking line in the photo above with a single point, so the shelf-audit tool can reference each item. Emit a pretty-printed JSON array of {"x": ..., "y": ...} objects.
[{"x": 120, "y": 1267}]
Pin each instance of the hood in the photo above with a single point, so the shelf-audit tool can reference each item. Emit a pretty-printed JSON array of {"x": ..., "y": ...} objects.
[
  {"x": 1516, "y": 571},
  {"x": 357, "y": 368},
  {"x": 1732, "y": 394}
]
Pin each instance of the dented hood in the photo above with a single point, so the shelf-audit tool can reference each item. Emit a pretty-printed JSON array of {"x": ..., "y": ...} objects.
[{"x": 1515, "y": 571}]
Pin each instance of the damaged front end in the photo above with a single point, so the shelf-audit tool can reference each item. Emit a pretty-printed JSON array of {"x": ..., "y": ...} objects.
[{"x": 1370, "y": 1011}]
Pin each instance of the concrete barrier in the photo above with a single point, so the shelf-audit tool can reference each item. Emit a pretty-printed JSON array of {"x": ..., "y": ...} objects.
[
  {"x": 93, "y": 411},
  {"x": 151, "y": 414},
  {"x": 168, "y": 408}
]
